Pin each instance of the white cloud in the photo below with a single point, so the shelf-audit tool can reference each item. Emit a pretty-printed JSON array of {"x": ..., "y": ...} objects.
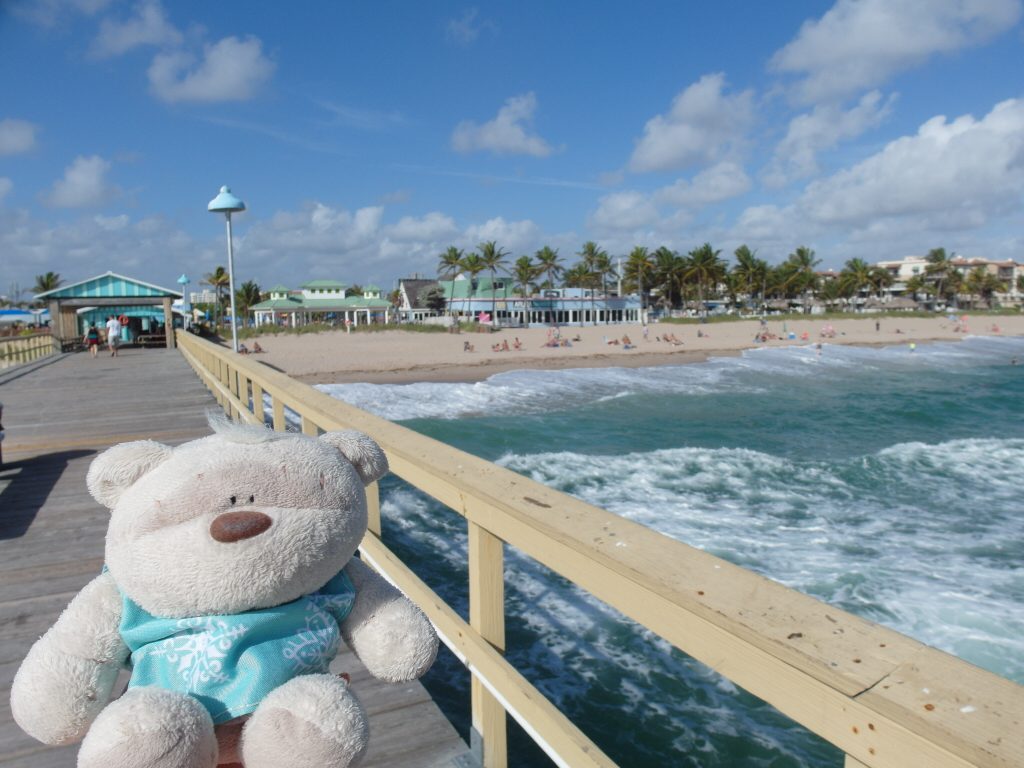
[
  {"x": 149, "y": 26},
  {"x": 48, "y": 13},
  {"x": 6, "y": 185},
  {"x": 16, "y": 136},
  {"x": 505, "y": 134},
  {"x": 112, "y": 223},
  {"x": 712, "y": 185},
  {"x": 627, "y": 210},
  {"x": 231, "y": 70},
  {"x": 702, "y": 125},
  {"x": 859, "y": 44},
  {"x": 433, "y": 226},
  {"x": 943, "y": 186},
  {"x": 510, "y": 235},
  {"x": 966, "y": 170},
  {"x": 796, "y": 156},
  {"x": 467, "y": 28},
  {"x": 84, "y": 184},
  {"x": 82, "y": 248}
]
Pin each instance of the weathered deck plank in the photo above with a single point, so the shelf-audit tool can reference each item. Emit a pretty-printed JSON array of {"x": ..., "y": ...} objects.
[{"x": 57, "y": 417}]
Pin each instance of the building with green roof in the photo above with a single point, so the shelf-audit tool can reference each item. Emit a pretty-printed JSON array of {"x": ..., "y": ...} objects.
[
  {"x": 321, "y": 301},
  {"x": 146, "y": 307}
]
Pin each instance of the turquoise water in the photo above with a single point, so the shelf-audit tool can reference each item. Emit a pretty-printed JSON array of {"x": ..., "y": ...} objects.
[{"x": 883, "y": 481}]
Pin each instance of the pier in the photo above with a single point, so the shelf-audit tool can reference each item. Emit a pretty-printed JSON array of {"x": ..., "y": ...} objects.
[
  {"x": 59, "y": 412},
  {"x": 884, "y": 699}
]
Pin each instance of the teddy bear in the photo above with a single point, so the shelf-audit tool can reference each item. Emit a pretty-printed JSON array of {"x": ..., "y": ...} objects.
[{"x": 228, "y": 585}]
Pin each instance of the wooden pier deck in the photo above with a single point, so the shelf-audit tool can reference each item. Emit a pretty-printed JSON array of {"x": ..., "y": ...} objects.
[{"x": 58, "y": 414}]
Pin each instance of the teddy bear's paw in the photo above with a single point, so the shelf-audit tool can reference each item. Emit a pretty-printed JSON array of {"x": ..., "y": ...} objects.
[
  {"x": 310, "y": 721},
  {"x": 150, "y": 728}
]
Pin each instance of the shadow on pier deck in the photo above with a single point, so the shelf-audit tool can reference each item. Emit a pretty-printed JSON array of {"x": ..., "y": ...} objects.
[{"x": 58, "y": 417}]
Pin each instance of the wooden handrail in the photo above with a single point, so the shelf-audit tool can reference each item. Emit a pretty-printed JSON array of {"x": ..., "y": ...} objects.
[
  {"x": 881, "y": 697},
  {"x": 15, "y": 350}
]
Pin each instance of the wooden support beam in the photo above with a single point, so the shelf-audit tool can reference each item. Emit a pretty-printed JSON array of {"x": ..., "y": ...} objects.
[{"x": 487, "y": 617}]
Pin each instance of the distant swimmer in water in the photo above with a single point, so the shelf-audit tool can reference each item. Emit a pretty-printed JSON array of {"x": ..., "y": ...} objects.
[
  {"x": 913, "y": 346},
  {"x": 1013, "y": 361}
]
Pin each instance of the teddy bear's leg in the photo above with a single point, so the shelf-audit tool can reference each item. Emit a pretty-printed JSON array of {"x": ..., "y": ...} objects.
[
  {"x": 312, "y": 721},
  {"x": 150, "y": 728}
]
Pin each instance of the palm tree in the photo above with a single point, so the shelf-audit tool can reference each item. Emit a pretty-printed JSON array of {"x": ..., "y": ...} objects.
[
  {"x": 591, "y": 256},
  {"x": 669, "y": 268},
  {"x": 639, "y": 269},
  {"x": 493, "y": 259},
  {"x": 799, "y": 275},
  {"x": 881, "y": 279},
  {"x": 219, "y": 279},
  {"x": 448, "y": 267},
  {"x": 855, "y": 276},
  {"x": 472, "y": 265},
  {"x": 604, "y": 267},
  {"x": 47, "y": 282},
  {"x": 246, "y": 296},
  {"x": 524, "y": 271},
  {"x": 548, "y": 263},
  {"x": 577, "y": 276},
  {"x": 982, "y": 283},
  {"x": 705, "y": 269},
  {"x": 750, "y": 271},
  {"x": 940, "y": 268}
]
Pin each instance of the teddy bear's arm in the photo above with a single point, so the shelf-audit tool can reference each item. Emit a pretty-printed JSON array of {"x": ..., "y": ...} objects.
[
  {"x": 69, "y": 673},
  {"x": 385, "y": 630}
]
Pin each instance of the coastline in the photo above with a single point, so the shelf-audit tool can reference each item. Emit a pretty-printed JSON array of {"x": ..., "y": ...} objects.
[{"x": 406, "y": 357}]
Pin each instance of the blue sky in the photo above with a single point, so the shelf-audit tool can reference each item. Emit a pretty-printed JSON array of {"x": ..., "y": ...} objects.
[{"x": 367, "y": 138}]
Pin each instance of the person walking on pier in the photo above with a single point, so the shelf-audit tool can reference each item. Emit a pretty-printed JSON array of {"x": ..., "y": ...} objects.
[
  {"x": 92, "y": 339},
  {"x": 113, "y": 334}
]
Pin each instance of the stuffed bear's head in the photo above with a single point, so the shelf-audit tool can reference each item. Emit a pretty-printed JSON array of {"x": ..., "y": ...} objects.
[{"x": 245, "y": 518}]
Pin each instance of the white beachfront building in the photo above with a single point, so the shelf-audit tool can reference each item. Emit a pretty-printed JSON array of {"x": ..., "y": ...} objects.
[{"x": 1008, "y": 271}]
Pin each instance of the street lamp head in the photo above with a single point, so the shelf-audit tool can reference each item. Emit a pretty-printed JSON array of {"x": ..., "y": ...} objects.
[
  {"x": 183, "y": 280},
  {"x": 225, "y": 202}
]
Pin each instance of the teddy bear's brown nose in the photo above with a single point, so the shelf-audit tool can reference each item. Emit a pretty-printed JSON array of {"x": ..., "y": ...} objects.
[{"x": 236, "y": 526}]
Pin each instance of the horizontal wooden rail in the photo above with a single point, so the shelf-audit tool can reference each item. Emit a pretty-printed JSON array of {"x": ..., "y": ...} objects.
[
  {"x": 883, "y": 698},
  {"x": 15, "y": 350}
]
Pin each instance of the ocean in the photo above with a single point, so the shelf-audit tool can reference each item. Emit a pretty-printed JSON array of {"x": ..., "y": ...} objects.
[{"x": 884, "y": 481}]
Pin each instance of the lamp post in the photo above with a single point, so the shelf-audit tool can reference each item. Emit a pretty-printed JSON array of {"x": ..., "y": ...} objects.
[
  {"x": 186, "y": 304},
  {"x": 227, "y": 204}
]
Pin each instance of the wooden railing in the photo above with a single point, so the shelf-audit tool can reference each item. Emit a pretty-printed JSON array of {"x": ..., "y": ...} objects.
[
  {"x": 884, "y": 699},
  {"x": 15, "y": 350}
]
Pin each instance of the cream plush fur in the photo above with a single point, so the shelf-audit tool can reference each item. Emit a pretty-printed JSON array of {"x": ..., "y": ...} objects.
[{"x": 162, "y": 553}]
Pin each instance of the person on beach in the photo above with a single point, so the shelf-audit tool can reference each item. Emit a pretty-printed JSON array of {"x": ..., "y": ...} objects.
[
  {"x": 256, "y": 348},
  {"x": 517, "y": 344},
  {"x": 113, "y": 334},
  {"x": 92, "y": 339}
]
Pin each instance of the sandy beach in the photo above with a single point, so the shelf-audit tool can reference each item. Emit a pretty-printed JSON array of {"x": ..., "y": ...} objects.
[{"x": 401, "y": 357}]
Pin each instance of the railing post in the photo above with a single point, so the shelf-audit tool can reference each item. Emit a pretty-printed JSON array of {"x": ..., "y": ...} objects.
[
  {"x": 373, "y": 509},
  {"x": 852, "y": 762},
  {"x": 487, "y": 616},
  {"x": 257, "y": 402},
  {"x": 280, "y": 425}
]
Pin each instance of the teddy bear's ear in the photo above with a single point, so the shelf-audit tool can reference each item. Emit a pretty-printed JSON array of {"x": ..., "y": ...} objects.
[
  {"x": 118, "y": 467},
  {"x": 366, "y": 456}
]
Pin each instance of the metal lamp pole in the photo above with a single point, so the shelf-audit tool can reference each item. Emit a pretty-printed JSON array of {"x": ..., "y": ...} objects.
[{"x": 227, "y": 204}]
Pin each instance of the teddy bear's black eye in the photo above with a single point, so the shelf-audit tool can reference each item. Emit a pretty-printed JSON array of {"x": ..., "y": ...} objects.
[
  {"x": 233, "y": 499},
  {"x": 252, "y": 499}
]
